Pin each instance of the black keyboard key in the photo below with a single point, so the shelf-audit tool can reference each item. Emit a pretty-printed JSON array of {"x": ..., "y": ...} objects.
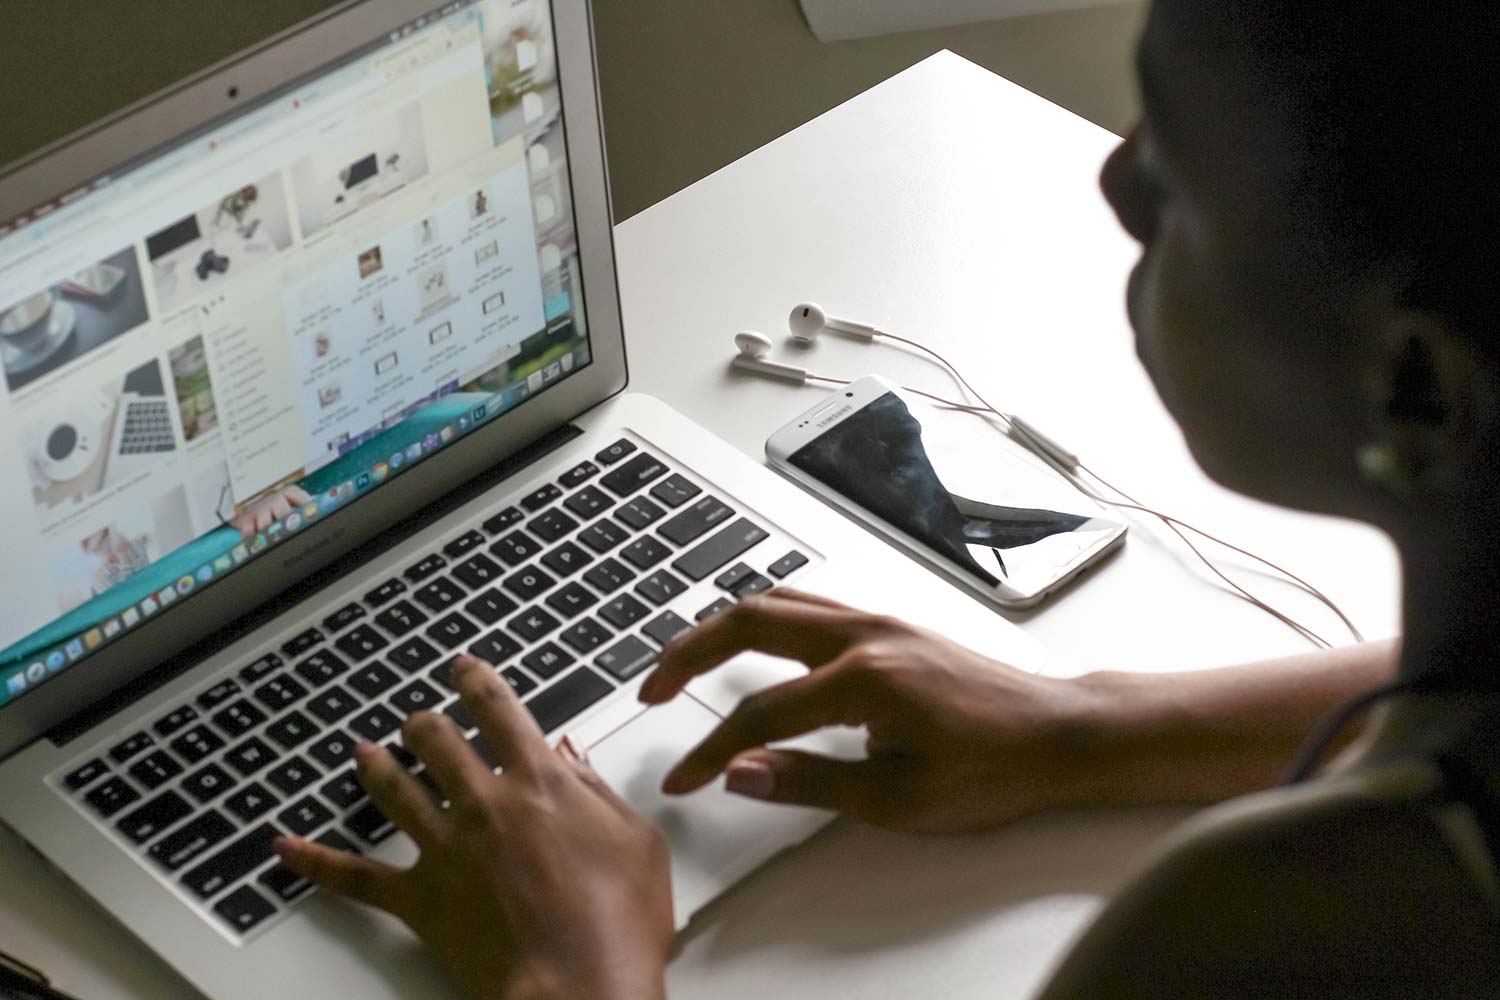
[
  {"x": 155, "y": 769},
  {"x": 302, "y": 642},
  {"x": 615, "y": 452},
  {"x": 645, "y": 552},
  {"x": 787, "y": 564},
  {"x": 334, "y": 750},
  {"x": 566, "y": 698},
  {"x": 452, "y": 631},
  {"x": 515, "y": 548},
  {"x": 665, "y": 627},
  {"x": 533, "y": 624},
  {"x": 478, "y": 571},
  {"x": 323, "y": 666},
  {"x": 519, "y": 682},
  {"x": 374, "y": 722},
  {"x": 626, "y": 479},
  {"x": 344, "y": 617},
  {"x": 232, "y": 863},
  {"x": 722, "y": 604},
  {"x": 293, "y": 729},
  {"x": 463, "y": 544},
  {"x": 460, "y": 716},
  {"x": 490, "y": 606},
  {"x": 413, "y": 654},
  {"x": 601, "y": 536},
  {"x": 130, "y": 746},
  {"x": 250, "y": 756},
  {"x": 175, "y": 720},
  {"x": 86, "y": 775},
  {"x": 283, "y": 883},
  {"x": 238, "y": 718},
  {"x": 439, "y": 594},
  {"x": 252, "y": 672},
  {"x": 609, "y": 575},
  {"x": 421, "y": 570},
  {"x": 372, "y": 680},
  {"x": 578, "y": 475},
  {"x": 292, "y": 775},
  {"x": 400, "y": 618},
  {"x": 191, "y": 840},
  {"x": 623, "y": 611},
  {"x": 586, "y": 636},
  {"x": 337, "y": 841},
  {"x": 244, "y": 908},
  {"x": 660, "y": 587},
  {"x": 495, "y": 648},
  {"x": 640, "y": 514},
  {"x": 218, "y": 694},
  {"x": 589, "y": 502},
  {"x": 626, "y": 658},
  {"x": 304, "y": 816},
  {"x": 547, "y": 660},
  {"x": 728, "y": 543},
  {"x": 571, "y": 599},
  {"x": 696, "y": 520},
  {"x": 369, "y": 824},
  {"x": 145, "y": 822},
  {"x": 333, "y": 704},
  {"x": 541, "y": 498},
  {"x": 529, "y": 583},
  {"x": 676, "y": 490},
  {"x": 196, "y": 744},
  {"x": 733, "y": 577},
  {"x": 109, "y": 797},
  {"x": 551, "y": 526},
  {"x": 566, "y": 558},
  {"x": 344, "y": 790},
  {"x": 250, "y": 802},
  {"x": 279, "y": 692},
  {"x": 208, "y": 783},
  {"x": 753, "y": 584},
  {"x": 418, "y": 696},
  {"x": 387, "y": 591},
  {"x": 503, "y": 520},
  {"x": 360, "y": 643}
]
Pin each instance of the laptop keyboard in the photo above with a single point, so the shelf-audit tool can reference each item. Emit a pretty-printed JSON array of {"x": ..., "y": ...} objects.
[{"x": 570, "y": 592}]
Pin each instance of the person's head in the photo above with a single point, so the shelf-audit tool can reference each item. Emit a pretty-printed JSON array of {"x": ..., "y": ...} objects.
[{"x": 1318, "y": 300}]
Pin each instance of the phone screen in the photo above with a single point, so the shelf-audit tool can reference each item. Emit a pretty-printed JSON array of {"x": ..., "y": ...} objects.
[{"x": 1002, "y": 519}]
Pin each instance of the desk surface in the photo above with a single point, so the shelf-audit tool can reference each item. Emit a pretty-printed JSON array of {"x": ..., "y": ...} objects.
[{"x": 953, "y": 207}]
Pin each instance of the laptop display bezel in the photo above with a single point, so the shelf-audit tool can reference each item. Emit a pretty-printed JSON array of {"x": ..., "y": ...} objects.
[{"x": 221, "y": 92}]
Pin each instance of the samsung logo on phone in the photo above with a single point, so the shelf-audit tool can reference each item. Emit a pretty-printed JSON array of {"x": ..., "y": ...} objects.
[{"x": 833, "y": 417}]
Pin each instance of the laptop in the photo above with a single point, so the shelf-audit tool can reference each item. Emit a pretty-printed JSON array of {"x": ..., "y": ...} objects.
[{"x": 397, "y": 431}]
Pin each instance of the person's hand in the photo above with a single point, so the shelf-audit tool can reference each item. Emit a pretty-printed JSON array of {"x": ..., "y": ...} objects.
[
  {"x": 538, "y": 882},
  {"x": 259, "y": 514},
  {"x": 956, "y": 741}
]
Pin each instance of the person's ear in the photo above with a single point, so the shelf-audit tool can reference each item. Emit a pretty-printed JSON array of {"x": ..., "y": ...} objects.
[{"x": 1433, "y": 408}]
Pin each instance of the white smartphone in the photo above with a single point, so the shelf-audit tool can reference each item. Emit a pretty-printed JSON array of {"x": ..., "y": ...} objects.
[{"x": 971, "y": 504}]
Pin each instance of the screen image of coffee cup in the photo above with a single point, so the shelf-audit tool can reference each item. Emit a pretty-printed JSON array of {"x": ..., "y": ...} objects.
[{"x": 25, "y": 324}]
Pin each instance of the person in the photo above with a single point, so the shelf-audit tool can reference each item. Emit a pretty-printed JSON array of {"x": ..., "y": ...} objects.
[{"x": 1316, "y": 301}]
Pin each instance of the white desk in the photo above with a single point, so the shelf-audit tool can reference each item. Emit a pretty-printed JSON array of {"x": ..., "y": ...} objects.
[{"x": 948, "y": 205}]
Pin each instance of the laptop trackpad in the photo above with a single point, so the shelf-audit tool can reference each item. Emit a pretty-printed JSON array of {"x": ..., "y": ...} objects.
[{"x": 715, "y": 837}]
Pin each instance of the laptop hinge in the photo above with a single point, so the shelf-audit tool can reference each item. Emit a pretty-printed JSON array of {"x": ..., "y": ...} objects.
[{"x": 78, "y": 724}]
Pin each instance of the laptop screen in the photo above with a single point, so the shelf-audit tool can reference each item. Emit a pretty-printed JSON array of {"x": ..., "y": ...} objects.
[{"x": 231, "y": 338}]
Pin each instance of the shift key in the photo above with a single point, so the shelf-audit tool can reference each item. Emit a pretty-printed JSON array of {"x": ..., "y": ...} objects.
[
  {"x": 233, "y": 863},
  {"x": 729, "y": 543}
]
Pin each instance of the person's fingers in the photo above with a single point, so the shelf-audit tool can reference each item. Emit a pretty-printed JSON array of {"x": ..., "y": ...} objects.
[
  {"x": 399, "y": 795},
  {"x": 798, "y": 630},
  {"x": 297, "y": 495},
  {"x": 794, "y": 777},
  {"x": 505, "y": 725},
  {"x": 360, "y": 879},
  {"x": 439, "y": 743},
  {"x": 822, "y": 698},
  {"x": 792, "y": 594},
  {"x": 263, "y": 516},
  {"x": 578, "y": 761}
]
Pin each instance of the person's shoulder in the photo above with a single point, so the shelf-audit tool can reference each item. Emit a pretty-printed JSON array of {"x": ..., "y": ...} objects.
[{"x": 1349, "y": 886}]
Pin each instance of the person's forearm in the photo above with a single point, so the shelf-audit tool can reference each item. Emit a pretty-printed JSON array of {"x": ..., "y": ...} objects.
[{"x": 1204, "y": 736}]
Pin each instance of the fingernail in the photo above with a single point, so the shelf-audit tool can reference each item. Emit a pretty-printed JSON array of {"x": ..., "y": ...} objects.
[
  {"x": 462, "y": 663},
  {"x": 363, "y": 750},
  {"x": 284, "y": 847},
  {"x": 567, "y": 746},
  {"x": 675, "y": 782},
  {"x": 648, "y": 688},
  {"x": 750, "y": 778}
]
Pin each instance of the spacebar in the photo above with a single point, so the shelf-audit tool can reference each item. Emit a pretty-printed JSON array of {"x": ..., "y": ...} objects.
[
  {"x": 568, "y": 697},
  {"x": 729, "y": 543}
]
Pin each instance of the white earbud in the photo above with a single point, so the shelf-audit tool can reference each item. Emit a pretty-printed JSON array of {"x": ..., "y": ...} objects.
[
  {"x": 808, "y": 320},
  {"x": 753, "y": 348}
]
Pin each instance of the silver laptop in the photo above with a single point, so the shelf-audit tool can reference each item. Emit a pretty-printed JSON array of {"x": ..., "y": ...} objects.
[{"x": 312, "y": 377}]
